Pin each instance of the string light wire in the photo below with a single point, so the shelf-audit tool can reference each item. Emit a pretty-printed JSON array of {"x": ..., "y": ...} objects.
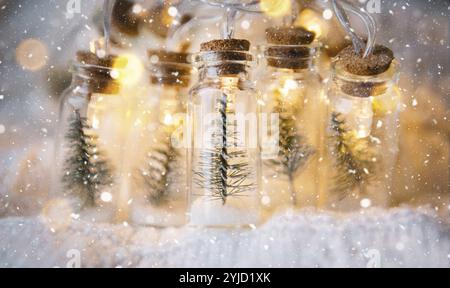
[{"x": 340, "y": 7}]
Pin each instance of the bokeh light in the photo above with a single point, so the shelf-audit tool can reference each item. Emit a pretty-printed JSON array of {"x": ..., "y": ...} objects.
[
  {"x": 313, "y": 21},
  {"x": 57, "y": 214},
  {"x": 106, "y": 197},
  {"x": 132, "y": 72},
  {"x": 32, "y": 54},
  {"x": 276, "y": 8}
]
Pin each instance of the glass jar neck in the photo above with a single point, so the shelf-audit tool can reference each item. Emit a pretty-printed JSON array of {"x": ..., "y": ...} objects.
[
  {"x": 295, "y": 74},
  {"x": 224, "y": 67},
  {"x": 96, "y": 79},
  {"x": 364, "y": 86}
]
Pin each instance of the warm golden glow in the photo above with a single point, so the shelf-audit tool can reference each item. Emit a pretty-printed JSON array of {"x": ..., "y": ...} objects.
[
  {"x": 168, "y": 119},
  {"x": 383, "y": 105},
  {"x": 289, "y": 84},
  {"x": 32, "y": 54},
  {"x": 363, "y": 114},
  {"x": 167, "y": 18},
  {"x": 312, "y": 21},
  {"x": 132, "y": 72},
  {"x": 276, "y": 8}
]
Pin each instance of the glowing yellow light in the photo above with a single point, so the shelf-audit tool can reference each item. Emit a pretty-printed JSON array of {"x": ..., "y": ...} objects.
[
  {"x": 276, "y": 8},
  {"x": 363, "y": 117},
  {"x": 32, "y": 54},
  {"x": 132, "y": 72},
  {"x": 312, "y": 21},
  {"x": 289, "y": 85},
  {"x": 168, "y": 119},
  {"x": 383, "y": 105}
]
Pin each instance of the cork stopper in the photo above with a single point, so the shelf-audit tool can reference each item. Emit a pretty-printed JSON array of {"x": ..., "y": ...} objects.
[
  {"x": 100, "y": 80},
  {"x": 376, "y": 63},
  {"x": 289, "y": 36},
  {"x": 288, "y": 57},
  {"x": 228, "y": 51},
  {"x": 226, "y": 45},
  {"x": 89, "y": 58},
  {"x": 172, "y": 68},
  {"x": 288, "y": 47}
]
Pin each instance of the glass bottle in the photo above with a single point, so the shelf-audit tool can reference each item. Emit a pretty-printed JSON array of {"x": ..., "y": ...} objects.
[
  {"x": 363, "y": 138},
  {"x": 224, "y": 147},
  {"x": 160, "y": 188},
  {"x": 294, "y": 107},
  {"x": 89, "y": 143}
]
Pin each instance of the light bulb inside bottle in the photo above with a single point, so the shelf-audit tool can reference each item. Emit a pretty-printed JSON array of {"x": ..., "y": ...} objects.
[
  {"x": 358, "y": 113},
  {"x": 95, "y": 122},
  {"x": 363, "y": 117},
  {"x": 289, "y": 84},
  {"x": 168, "y": 119}
]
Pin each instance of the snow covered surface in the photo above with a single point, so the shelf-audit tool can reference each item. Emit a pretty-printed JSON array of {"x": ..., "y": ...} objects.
[
  {"x": 396, "y": 238},
  {"x": 402, "y": 237}
]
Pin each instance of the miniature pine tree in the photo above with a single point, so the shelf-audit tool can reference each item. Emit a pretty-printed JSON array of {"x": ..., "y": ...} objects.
[
  {"x": 158, "y": 167},
  {"x": 224, "y": 170},
  {"x": 355, "y": 159},
  {"x": 86, "y": 170},
  {"x": 294, "y": 151}
]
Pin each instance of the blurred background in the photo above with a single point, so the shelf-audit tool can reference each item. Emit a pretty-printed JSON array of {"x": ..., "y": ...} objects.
[{"x": 39, "y": 38}]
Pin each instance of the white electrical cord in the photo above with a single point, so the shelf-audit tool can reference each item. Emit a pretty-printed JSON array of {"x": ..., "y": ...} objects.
[
  {"x": 358, "y": 43},
  {"x": 232, "y": 7},
  {"x": 107, "y": 12},
  {"x": 244, "y": 6},
  {"x": 252, "y": 6}
]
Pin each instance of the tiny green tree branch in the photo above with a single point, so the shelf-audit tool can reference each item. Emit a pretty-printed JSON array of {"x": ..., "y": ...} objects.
[{"x": 86, "y": 170}]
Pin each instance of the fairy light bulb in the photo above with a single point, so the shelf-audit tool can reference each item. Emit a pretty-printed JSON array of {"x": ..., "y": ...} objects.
[
  {"x": 132, "y": 72},
  {"x": 358, "y": 112},
  {"x": 363, "y": 117},
  {"x": 289, "y": 84},
  {"x": 288, "y": 89},
  {"x": 168, "y": 119}
]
